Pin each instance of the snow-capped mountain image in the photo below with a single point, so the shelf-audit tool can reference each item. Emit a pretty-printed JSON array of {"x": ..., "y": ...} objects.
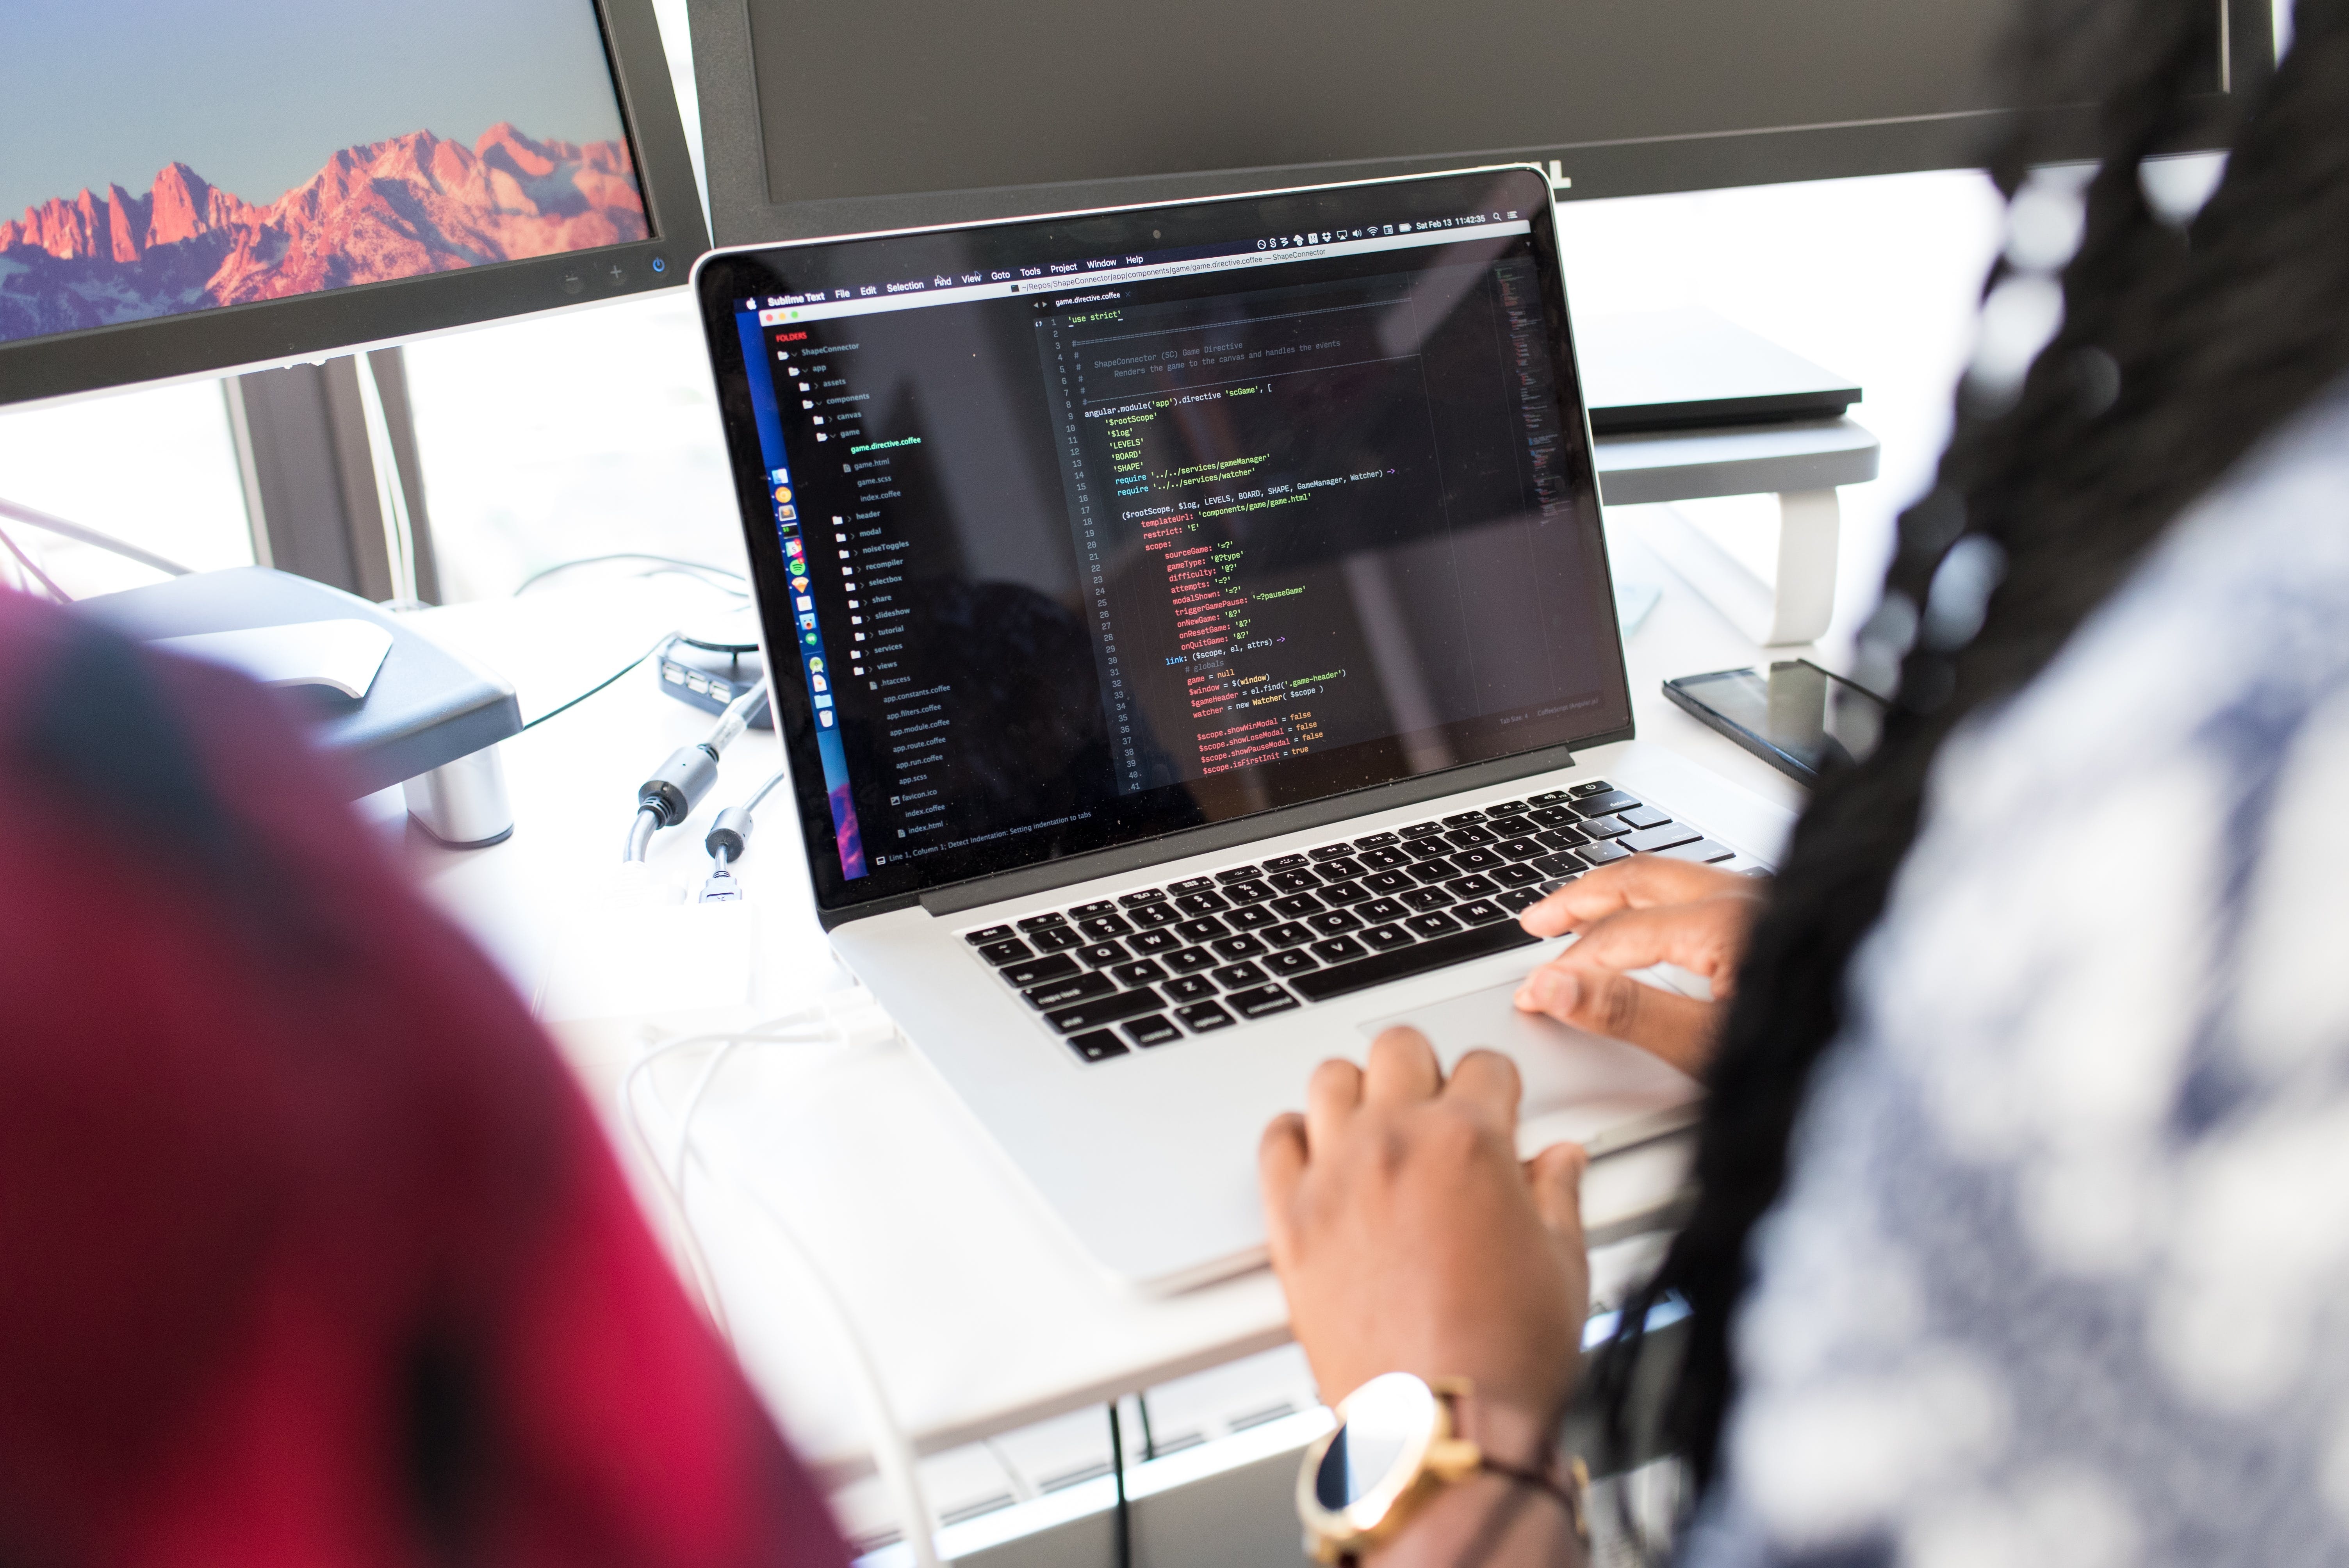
[{"x": 387, "y": 210}]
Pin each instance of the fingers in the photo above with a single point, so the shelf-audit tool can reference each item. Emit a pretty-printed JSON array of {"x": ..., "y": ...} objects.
[
  {"x": 1703, "y": 938},
  {"x": 1488, "y": 1081},
  {"x": 1641, "y": 882},
  {"x": 1331, "y": 1095},
  {"x": 1677, "y": 1029},
  {"x": 1555, "y": 1176},
  {"x": 1279, "y": 1169},
  {"x": 1403, "y": 1069}
]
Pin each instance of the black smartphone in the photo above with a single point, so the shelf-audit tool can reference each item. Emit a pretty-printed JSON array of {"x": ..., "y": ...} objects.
[{"x": 1799, "y": 718}]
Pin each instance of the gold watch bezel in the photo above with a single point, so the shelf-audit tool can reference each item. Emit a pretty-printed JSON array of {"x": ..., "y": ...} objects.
[{"x": 1433, "y": 1458}]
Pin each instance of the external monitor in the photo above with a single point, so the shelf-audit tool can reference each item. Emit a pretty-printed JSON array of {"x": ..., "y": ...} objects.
[
  {"x": 840, "y": 118},
  {"x": 188, "y": 189}
]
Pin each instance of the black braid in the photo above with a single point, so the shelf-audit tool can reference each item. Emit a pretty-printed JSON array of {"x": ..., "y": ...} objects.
[{"x": 2180, "y": 350}]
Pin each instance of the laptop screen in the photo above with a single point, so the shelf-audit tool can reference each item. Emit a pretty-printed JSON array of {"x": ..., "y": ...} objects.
[{"x": 1070, "y": 532}]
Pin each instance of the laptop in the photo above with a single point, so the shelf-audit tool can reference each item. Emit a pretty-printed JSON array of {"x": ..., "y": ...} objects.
[{"x": 1192, "y": 640}]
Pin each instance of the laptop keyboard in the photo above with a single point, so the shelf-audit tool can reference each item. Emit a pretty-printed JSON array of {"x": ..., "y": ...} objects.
[{"x": 1213, "y": 953}]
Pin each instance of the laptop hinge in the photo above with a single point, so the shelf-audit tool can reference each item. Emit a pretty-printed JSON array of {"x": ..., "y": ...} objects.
[{"x": 1029, "y": 879}]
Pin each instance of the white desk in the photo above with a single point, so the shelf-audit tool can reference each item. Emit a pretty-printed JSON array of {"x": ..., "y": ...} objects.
[{"x": 983, "y": 1314}]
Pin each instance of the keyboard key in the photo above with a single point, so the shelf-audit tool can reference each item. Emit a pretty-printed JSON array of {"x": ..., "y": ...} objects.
[
  {"x": 1562, "y": 838},
  {"x": 1203, "y": 1017},
  {"x": 1039, "y": 922},
  {"x": 1102, "y": 926},
  {"x": 1100, "y": 1010},
  {"x": 1704, "y": 851},
  {"x": 1470, "y": 860},
  {"x": 1055, "y": 939},
  {"x": 1562, "y": 864},
  {"x": 1335, "y": 923},
  {"x": 1502, "y": 808},
  {"x": 1384, "y": 860},
  {"x": 1382, "y": 909},
  {"x": 1431, "y": 924},
  {"x": 1385, "y": 938},
  {"x": 1664, "y": 837},
  {"x": 1472, "y": 887},
  {"x": 1418, "y": 959},
  {"x": 1296, "y": 906},
  {"x": 1237, "y": 874},
  {"x": 1604, "y": 803},
  {"x": 1343, "y": 893},
  {"x": 1256, "y": 917},
  {"x": 1546, "y": 798},
  {"x": 1004, "y": 952},
  {"x": 1373, "y": 842},
  {"x": 1339, "y": 949},
  {"x": 1154, "y": 941},
  {"x": 1076, "y": 988},
  {"x": 1478, "y": 912},
  {"x": 1189, "y": 989},
  {"x": 1420, "y": 830},
  {"x": 1248, "y": 891},
  {"x": 1644, "y": 817},
  {"x": 1289, "y": 934},
  {"x": 1469, "y": 838},
  {"x": 1341, "y": 870},
  {"x": 1423, "y": 899},
  {"x": 1206, "y": 928},
  {"x": 1595, "y": 787},
  {"x": 1294, "y": 882},
  {"x": 1236, "y": 946},
  {"x": 1603, "y": 854},
  {"x": 1518, "y": 899},
  {"x": 1330, "y": 852},
  {"x": 1463, "y": 819},
  {"x": 1036, "y": 971},
  {"x": 1085, "y": 912},
  {"x": 1516, "y": 875},
  {"x": 1428, "y": 849},
  {"x": 1552, "y": 816},
  {"x": 1512, "y": 826},
  {"x": 1154, "y": 1030},
  {"x": 1283, "y": 863},
  {"x": 1431, "y": 871},
  {"x": 1604, "y": 828},
  {"x": 1136, "y": 900},
  {"x": 1237, "y": 977},
  {"x": 1189, "y": 960},
  {"x": 1209, "y": 902},
  {"x": 992, "y": 933},
  {"x": 1387, "y": 882},
  {"x": 1261, "y": 1003},
  {"x": 1101, "y": 955},
  {"x": 1097, "y": 1045},
  {"x": 1293, "y": 961},
  {"x": 1517, "y": 849},
  {"x": 1140, "y": 971},
  {"x": 1150, "y": 916},
  {"x": 1191, "y": 884}
]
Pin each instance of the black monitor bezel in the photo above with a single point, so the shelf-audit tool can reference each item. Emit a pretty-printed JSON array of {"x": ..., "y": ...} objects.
[
  {"x": 742, "y": 211},
  {"x": 305, "y": 326},
  {"x": 724, "y": 278}
]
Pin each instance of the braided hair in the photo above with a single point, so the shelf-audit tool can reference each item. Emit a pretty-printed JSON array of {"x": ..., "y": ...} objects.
[{"x": 2181, "y": 345}]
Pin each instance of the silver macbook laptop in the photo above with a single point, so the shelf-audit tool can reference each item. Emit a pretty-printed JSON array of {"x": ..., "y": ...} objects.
[{"x": 1192, "y": 641}]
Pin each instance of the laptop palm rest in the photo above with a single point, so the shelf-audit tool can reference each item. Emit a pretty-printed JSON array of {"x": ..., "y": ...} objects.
[{"x": 1600, "y": 1093}]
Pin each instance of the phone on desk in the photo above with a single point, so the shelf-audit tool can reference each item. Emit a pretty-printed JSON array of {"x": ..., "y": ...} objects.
[{"x": 1799, "y": 718}]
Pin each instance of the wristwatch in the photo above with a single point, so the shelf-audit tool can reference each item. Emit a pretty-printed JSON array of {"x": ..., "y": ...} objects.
[{"x": 1397, "y": 1443}]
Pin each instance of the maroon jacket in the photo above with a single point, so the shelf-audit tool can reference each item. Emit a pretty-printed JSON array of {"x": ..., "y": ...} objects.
[{"x": 310, "y": 1250}]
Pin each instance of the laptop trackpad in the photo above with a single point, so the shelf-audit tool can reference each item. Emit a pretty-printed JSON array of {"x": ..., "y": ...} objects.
[{"x": 1599, "y": 1092}]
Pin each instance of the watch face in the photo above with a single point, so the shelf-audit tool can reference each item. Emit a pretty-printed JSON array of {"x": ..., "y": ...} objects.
[{"x": 1382, "y": 1440}]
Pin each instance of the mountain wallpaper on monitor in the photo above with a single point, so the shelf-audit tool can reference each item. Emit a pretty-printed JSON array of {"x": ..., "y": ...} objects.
[{"x": 388, "y": 210}]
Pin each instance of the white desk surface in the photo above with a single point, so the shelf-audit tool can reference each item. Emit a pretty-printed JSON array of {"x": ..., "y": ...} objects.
[{"x": 981, "y": 1313}]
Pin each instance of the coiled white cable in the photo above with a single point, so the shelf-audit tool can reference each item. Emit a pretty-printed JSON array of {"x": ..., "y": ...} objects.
[{"x": 853, "y": 1019}]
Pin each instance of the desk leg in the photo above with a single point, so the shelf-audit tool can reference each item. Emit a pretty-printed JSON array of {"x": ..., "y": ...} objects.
[
  {"x": 1796, "y": 607},
  {"x": 463, "y": 803}
]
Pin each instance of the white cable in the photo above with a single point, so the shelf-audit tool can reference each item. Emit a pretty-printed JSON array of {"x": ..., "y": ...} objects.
[
  {"x": 853, "y": 1019},
  {"x": 735, "y": 719}
]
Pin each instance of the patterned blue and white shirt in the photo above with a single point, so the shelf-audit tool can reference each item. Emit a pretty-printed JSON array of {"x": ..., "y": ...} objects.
[{"x": 2062, "y": 1275}]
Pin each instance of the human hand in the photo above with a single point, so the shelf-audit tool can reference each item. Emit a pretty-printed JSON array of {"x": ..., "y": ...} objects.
[
  {"x": 1409, "y": 1238},
  {"x": 1650, "y": 909}
]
